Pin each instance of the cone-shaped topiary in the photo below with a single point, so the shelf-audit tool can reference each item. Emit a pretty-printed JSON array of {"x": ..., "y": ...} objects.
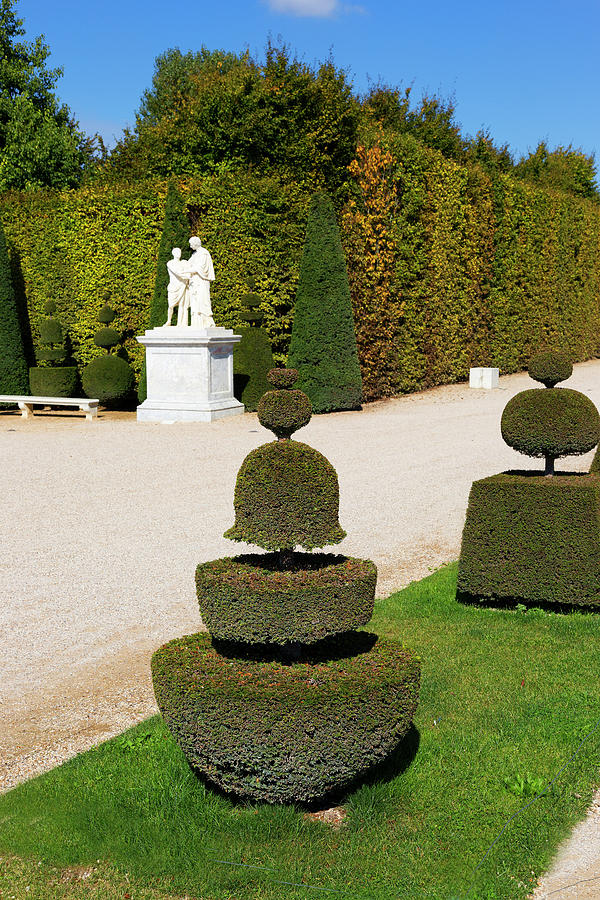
[
  {"x": 54, "y": 379},
  {"x": 175, "y": 233},
  {"x": 288, "y": 703},
  {"x": 530, "y": 538},
  {"x": 109, "y": 378},
  {"x": 13, "y": 365},
  {"x": 323, "y": 345},
  {"x": 252, "y": 356}
]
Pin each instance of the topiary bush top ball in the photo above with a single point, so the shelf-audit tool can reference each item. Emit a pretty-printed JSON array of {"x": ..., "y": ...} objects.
[
  {"x": 551, "y": 423},
  {"x": 282, "y": 378},
  {"x": 50, "y": 331},
  {"x": 49, "y": 307},
  {"x": 106, "y": 315},
  {"x": 284, "y": 412},
  {"x": 550, "y": 368}
]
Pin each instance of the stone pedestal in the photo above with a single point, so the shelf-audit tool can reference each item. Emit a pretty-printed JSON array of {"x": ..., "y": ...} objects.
[
  {"x": 483, "y": 378},
  {"x": 189, "y": 373}
]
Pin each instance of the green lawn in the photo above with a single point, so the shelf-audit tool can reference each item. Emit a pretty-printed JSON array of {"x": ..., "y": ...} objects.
[{"x": 507, "y": 697}]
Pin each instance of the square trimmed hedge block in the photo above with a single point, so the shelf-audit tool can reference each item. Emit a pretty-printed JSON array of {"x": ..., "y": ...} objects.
[{"x": 532, "y": 539}]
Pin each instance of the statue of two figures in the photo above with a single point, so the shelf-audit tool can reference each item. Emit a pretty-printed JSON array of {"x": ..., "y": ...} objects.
[{"x": 189, "y": 287}]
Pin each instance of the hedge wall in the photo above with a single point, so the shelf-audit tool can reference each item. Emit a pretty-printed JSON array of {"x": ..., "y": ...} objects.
[{"x": 448, "y": 266}]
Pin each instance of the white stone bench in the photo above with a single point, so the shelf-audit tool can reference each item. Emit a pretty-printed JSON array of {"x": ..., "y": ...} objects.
[{"x": 26, "y": 404}]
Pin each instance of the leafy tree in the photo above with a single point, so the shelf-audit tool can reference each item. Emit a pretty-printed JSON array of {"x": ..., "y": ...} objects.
[
  {"x": 323, "y": 345},
  {"x": 431, "y": 122},
  {"x": 175, "y": 233},
  {"x": 565, "y": 168},
  {"x": 40, "y": 143},
  {"x": 482, "y": 150},
  {"x": 215, "y": 110},
  {"x": 13, "y": 367}
]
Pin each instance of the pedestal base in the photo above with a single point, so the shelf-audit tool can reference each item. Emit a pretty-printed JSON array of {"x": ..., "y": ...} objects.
[{"x": 189, "y": 373}]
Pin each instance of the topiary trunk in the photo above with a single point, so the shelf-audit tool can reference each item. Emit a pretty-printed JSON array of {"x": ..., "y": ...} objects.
[
  {"x": 175, "y": 233},
  {"x": 14, "y": 376},
  {"x": 323, "y": 345}
]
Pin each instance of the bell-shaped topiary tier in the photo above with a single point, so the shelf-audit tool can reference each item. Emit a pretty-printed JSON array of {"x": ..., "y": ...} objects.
[
  {"x": 533, "y": 537},
  {"x": 288, "y": 703},
  {"x": 109, "y": 378},
  {"x": 54, "y": 378}
]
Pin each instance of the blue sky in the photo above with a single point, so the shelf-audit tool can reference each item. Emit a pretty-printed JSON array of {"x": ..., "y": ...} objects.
[{"x": 527, "y": 71}]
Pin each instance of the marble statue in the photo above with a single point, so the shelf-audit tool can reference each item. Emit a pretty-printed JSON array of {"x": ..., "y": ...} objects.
[
  {"x": 200, "y": 267},
  {"x": 178, "y": 288}
]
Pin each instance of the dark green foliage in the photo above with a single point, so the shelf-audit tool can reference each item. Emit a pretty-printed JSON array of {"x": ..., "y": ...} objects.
[
  {"x": 13, "y": 367},
  {"x": 107, "y": 337},
  {"x": 49, "y": 307},
  {"x": 286, "y": 494},
  {"x": 175, "y": 233},
  {"x": 553, "y": 422},
  {"x": 550, "y": 368},
  {"x": 323, "y": 345},
  {"x": 108, "y": 379},
  {"x": 532, "y": 539},
  {"x": 51, "y": 331},
  {"x": 281, "y": 733},
  {"x": 284, "y": 412},
  {"x": 54, "y": 381},
  {"x": 252, "y": 359},
  {"x": 107, "y": 313},
  {"x": 252, "y": 599},
  {"x": 282, "y": 378}
]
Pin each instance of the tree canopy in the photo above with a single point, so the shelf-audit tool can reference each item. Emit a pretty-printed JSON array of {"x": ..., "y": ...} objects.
[{"x": 40, "y": 142}]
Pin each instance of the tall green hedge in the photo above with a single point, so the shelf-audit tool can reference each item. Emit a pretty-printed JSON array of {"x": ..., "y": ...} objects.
[
  {"x": 468, "y": 269},
  {"x": 14, "y": 377}
]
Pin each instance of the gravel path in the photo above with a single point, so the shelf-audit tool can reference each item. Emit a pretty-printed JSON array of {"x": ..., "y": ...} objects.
[{"x": 104, "y": 523}]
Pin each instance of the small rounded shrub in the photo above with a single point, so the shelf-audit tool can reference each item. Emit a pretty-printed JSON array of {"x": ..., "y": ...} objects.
[
  {"x": 250, "y": 598},
  {"x": 556, "y": 422},
  {"x": 286, "y": 733},
  {"x": 286, "y": 494},
  {"x": 55, "y": 381},
  {"x": 107, "y": 337},
  {"x": 550, "y": 368},
  {"x": 51, "y": 332},
  {"x": 108, "y": 378},
  {"x": 283, "y": 378},
  {"x": 106, "y": 314},
  {"x": 284, "y": 412}
]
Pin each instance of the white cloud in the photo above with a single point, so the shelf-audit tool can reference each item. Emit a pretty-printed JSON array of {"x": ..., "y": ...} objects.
[{"x": 322, "y": 9}]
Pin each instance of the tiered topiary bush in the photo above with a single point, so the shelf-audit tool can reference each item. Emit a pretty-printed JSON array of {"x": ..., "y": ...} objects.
[
  {"x": 252, "y": 357},
  {"x": 109, "y": 378},
  {"x": 55, "y": 379},
  {"x": 530, "y": 536},
  {"x": 285, "y": 701}
]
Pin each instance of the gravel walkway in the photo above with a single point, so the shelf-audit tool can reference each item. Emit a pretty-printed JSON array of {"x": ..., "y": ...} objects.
[{"x": 104, "y": 523}]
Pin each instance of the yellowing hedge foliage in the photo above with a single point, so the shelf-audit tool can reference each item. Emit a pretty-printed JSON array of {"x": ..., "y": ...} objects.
[{"x": 448, "y": 266}]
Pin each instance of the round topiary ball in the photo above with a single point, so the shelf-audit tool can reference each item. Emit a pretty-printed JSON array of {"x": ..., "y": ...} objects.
[
  {"x": 557, "y": 422},
  {"x": 286, "y": 495},
  {"x": 549, "y": 368},
  {"x": 50, "y": 331},
  {"x": 49, "y": 307},
  {"x": 108, "y": 378},
  {"x": 107, "y": 337},
  {"x": 106, "y": 314},
  {"x": 284, "y": 412},
  {"x": 282, "y": 378}
]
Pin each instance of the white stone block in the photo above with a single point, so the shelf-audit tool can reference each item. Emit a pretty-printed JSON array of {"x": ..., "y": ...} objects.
[
  {"x": 482, "y": 377},
  {"x": 189, "y": 375}
]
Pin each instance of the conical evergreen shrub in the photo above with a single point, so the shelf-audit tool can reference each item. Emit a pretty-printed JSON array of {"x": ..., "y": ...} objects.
[
  {"x": 323, "y": 345},
  {"x": 14, "y": 376},
  {"x": 175, "y": 233}
]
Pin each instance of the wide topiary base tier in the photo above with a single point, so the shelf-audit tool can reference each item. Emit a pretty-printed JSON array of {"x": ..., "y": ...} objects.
[
  {"x": 286, "y": 733},
  {"x": 57, "y": 381},
  {"x": 250, "y": 598},
  {"x": 532, "y": 539}
]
